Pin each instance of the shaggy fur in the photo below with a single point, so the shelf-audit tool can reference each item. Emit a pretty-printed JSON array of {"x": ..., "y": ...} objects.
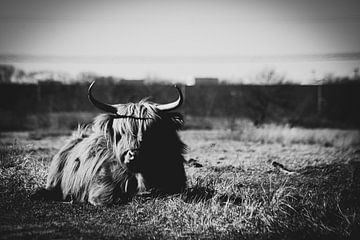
[{"x": 92, "y": 165}]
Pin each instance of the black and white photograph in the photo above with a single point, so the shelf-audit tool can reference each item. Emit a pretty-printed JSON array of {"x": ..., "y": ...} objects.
[{"x": 180, "y": 119}]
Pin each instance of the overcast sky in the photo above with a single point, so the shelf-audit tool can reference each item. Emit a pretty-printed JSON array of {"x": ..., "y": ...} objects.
[{"x": 185, "y": 32}]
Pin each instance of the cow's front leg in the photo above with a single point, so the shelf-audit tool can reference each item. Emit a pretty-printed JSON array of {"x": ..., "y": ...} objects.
[
  {"x": 101, "y": 194},
  {"x": 112, "y": 184}
]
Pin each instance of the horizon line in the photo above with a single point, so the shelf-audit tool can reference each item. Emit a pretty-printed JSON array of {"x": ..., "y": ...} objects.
[{"x": 178, "y": 59}]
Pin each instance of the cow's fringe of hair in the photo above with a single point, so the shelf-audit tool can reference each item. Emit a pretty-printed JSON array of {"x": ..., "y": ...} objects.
[
  {"x": 143, "y": 113},
  {"x": 132, "y": 129}
]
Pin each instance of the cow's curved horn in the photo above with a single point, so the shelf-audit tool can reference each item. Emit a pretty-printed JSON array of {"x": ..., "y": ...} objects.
[
  {"x": 102, "y": 106},
  {"x": 172, "y": 105}
]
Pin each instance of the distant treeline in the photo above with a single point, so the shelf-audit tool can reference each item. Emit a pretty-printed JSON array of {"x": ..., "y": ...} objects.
[{"x": 331, "y": 105}]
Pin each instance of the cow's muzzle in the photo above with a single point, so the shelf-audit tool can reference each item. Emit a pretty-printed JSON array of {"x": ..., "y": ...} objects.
[{"x": 130, "y": 158}]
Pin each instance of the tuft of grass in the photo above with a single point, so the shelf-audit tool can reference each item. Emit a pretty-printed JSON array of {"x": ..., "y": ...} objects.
[
  {"x": 21, "y": 169},
  {"x": 284, "y": 134}
]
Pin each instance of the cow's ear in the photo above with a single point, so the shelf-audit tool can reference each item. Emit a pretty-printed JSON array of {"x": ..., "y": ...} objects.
[{"x": 177, "y": 119}]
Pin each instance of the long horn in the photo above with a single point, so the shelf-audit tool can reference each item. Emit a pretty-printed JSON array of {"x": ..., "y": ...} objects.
[
  {"x": 102, "y": 106},
  {"x": 172, "y": 105}
]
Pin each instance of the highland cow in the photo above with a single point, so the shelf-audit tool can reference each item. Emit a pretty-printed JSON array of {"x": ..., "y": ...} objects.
[{"x": 131, "y": 149}]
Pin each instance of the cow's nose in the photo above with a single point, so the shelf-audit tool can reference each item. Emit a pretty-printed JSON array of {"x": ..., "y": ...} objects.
[{"x": 131, "y": 155}]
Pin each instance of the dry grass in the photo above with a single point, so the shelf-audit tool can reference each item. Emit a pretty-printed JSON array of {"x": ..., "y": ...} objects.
[
  {"x": 240, "y": 129},
  {"x": 272, "y": 133},
  {"x": 233, "y": 190}
]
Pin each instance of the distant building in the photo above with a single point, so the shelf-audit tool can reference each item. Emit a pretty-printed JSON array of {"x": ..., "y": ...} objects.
[
  {"x": 49, "y": 82},
  {"x": 133, "y": 81},
  {"x": 206, "y": 81}
]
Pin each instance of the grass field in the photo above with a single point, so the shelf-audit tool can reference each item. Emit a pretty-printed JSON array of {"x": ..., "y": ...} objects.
[{"x": 234, "y": 191}]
